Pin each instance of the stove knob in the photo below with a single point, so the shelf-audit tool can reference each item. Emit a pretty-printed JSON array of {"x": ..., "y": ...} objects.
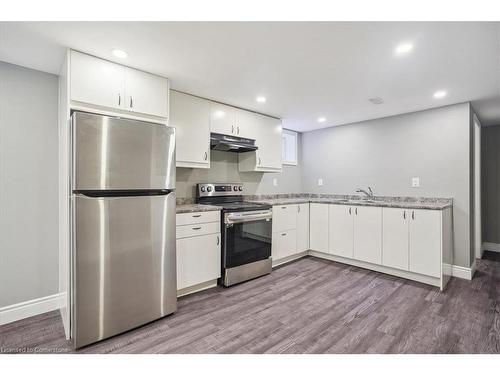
[
  {"x": 203, "y": 189},
  {"x": 240, "y": 188},
  {"x": 209, "y": 189},
  {"x": 235, "y": 188}
]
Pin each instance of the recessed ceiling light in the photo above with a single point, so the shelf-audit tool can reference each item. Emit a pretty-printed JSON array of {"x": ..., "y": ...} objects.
[
  {"x": 119, "y": 53},
  {"x": 260, "y": 99},
  {"x": 321, "y": 119},
  {"x": 403, "y": 48},
  {"x": 440, "y": 94}
]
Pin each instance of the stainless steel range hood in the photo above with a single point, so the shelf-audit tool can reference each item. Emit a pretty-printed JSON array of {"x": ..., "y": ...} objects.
[{"x": 221, "y": 142}]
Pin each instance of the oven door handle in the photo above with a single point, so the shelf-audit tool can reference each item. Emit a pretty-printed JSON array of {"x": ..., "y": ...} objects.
[{"x": 236, "y": 219}]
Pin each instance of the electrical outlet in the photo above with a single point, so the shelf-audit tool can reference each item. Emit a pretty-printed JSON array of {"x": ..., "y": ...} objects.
[
  {"x": 320, "y": 182},
  {"x": 275, "y": 182},
  {"x": 415, "y": 182}
]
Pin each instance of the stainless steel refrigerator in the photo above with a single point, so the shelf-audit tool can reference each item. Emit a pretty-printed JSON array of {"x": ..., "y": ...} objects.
[{"x": 123, "y": 225}]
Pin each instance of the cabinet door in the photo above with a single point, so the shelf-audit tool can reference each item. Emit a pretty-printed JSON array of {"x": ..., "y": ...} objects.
[
  {"x": 425, "y": 242},
  {"x": 395, "y": 238},
  {"x": 191, "y": 118},
  {"x": 97, "y": 81},
  {"x": 268, "y": 140},
  {"x": 318, "y": 229},
  {"x": 222, "y": 119},
  {"x": 368, "y": 234},
  {"x": 198, "y": 260},
  {"x": 247, "y": 124},
  {"x": 284, "y": 244},
  {"x": 303, "y": 227},
  {"x": 146, "y": 93},
  {"x": 341, "y": 230},
  {"x": 284, "y": 217}
]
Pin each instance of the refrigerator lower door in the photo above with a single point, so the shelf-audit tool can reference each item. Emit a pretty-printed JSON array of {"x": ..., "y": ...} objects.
[
  {"x": 124, "y": 264},
  {"x": 111, "y": 153}
]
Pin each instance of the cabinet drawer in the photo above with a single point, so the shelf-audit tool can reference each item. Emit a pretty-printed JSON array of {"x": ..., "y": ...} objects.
[
  {"x": 197, "y": 217},
  {"x": 284, "y": 217},
  {"x": 197, "y": 229},
  {"x": 284, "y": 244}
]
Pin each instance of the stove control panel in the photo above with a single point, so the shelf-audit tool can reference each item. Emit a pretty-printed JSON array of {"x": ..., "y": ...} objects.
[{"x": 215, "y": 190}]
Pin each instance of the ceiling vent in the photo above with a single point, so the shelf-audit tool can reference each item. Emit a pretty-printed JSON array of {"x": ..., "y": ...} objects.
[{"x": 376, "y": 100}]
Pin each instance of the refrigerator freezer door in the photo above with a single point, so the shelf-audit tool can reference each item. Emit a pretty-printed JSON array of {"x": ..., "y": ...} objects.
[
  {"x": 124, "y": 263},
  {"x": 111, "y": 153}
]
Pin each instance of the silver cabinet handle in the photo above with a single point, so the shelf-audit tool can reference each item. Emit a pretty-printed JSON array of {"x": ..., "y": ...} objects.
[
  {"x": 356, "y": 210},
  {"x": 197, "y": 215},
  {"x": 218, "y": 240},
  {"x": 413, "y": 215},
  {"x": 196, "y": 228},
  {"x": 259, "y": 161},
  {"x": 404, "y": 214},
  {"x": 238, "y": 130},
  {"x": 206, "y": 155},
  {"x": 232, "y": 129},
  {"x": 349, "y": 210},
  {"x": 283, "y": 207},
  {"x": 298, "y": 208},
  {"x": 283, "y": 234},
  {"x": 119, "y": 99},
  {"x": 131, "y": 103}
]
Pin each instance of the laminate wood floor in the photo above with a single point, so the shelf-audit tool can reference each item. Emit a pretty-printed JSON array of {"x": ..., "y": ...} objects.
[{"x": 309, "y": 306}]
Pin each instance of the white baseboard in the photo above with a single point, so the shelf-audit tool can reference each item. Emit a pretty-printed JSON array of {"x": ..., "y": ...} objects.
[
  {"x": 463, "y": 272},
  {"x": 22, "y": 310},
  {"x": 491, "y": 246}
]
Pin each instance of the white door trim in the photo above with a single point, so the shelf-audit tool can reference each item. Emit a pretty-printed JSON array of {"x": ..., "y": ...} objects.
[{"x": 477, "y": 189}]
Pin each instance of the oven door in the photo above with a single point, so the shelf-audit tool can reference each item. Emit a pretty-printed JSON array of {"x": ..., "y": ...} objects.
[{"x": 247, "y": 237}]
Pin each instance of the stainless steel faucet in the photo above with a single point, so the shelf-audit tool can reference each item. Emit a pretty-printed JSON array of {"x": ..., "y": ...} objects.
[{"x": 368, "y": 194}]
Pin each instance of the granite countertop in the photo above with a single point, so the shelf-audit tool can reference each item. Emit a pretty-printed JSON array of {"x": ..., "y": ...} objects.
[
  {"x": 395, "y": 202},
  {"x": 183, "y": 208}
]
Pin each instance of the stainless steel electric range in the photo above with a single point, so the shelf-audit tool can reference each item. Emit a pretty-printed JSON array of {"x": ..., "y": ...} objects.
[{"x": 246, "y": 232}]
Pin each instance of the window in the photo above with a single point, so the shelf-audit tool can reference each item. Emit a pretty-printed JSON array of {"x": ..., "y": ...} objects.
[{"x": 289, "y": 147}]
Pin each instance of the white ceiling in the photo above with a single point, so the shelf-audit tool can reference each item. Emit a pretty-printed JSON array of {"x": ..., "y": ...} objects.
[{"x": 305, "y": 69}]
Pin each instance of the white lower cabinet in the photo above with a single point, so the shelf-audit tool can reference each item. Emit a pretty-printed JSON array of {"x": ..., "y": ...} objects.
[
  {"x": 341, "y": 230},
  {"x": 396, "y": 238},
  {"x": 425, "y": 242},
  {"x": 318, "y": 229},
  {"x": 368, "y": 234},
  {"x": 302, "y": 227},
  {"x": 198, "y": 248},
  {"x": 284, "y": 244}
]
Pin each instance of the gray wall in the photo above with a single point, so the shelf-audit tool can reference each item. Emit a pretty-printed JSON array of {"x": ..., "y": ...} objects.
[
  {"x": 224, "y": 168},
  {"x": 28, "y": 184},
  {"x": 386, "y": 153},
  {"x": 490, "y": 183}
]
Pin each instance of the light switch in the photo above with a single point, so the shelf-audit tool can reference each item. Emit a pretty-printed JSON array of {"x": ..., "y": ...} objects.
[
  {"x": 320, "y": 182},
  {"x": 275, "y": 182},
  {"x": 415, "y": 182}
]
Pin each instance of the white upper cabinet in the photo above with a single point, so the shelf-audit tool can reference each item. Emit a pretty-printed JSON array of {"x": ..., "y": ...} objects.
[
  {"x": 223, "y": 119},
  {"x": 146, "y": 93},
  {"x": 191, "y": 118},
  {"x": 368, "y": 234},
  {"x": 102, "y": 83},
  {"x": 97, "y": 81},
  {"x": 267, "y": 132},
  {"x": 247, "y": 124}
]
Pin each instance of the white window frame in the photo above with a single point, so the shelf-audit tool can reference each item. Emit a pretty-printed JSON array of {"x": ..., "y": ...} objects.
[{"x": 283, "y": 140}]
